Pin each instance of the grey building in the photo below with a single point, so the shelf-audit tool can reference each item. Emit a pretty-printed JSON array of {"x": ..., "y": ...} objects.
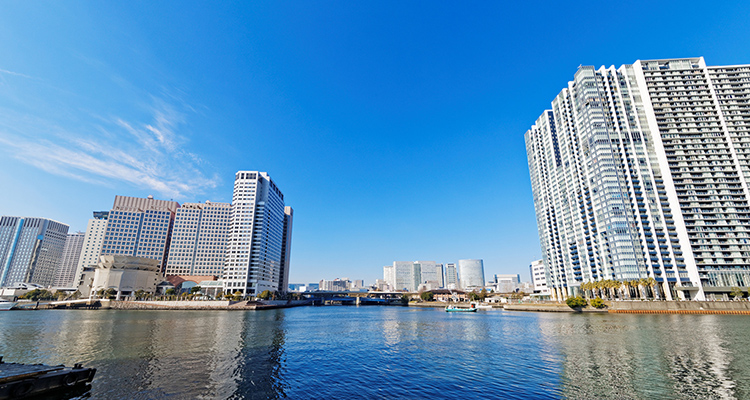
[
  {"x": 30, "y": 249},
  {"x": 65, "y": 273},
  {"x": 451, "y": 276},
  {"x": 286, "y": 250}
]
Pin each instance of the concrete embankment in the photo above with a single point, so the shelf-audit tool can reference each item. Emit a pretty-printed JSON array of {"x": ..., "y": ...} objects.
[
  {"x": 645, "y": 307},
  {"x": 202, "y": 305},
  {"x": 680, "y": 307},
  {"x": 547, "y": 307}
]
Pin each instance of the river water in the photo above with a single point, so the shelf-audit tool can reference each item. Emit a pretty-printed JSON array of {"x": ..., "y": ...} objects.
[{"x": 378, "y": 352}]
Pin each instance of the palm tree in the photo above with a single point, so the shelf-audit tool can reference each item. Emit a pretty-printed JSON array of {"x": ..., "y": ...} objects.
[
  {"x": 651, "y": 282},
  {"x": 642, "y": 284},
  {"x": 633, "y": 287},
  {"x": 585, "y": 287}
]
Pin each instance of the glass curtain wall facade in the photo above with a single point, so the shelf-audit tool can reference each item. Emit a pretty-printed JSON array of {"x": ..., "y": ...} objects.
[
  {"x": 30, "y": 250},
  {"x": 471, "y": 273},
  {"x": 641, "y": 172}
]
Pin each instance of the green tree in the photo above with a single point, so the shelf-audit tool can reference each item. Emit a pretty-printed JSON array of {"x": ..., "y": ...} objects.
[
  {"x": 736, "y": 293},
  {"x": 576, "y": 302},
  {"x": 237, "y": 296},
  {"x": 404, "y": 299},
  {"x": 139, "y": 294},
  {"x": 597, "y": 303},
  {"x": 265, "y": 295},
  {"x": 38, "y": 294},
  {"x": 195, "y": 289},
  {"x": 426, "y": 296},
  {"x": 110, "y": 293},
  {"x": 473, "y": 296}
]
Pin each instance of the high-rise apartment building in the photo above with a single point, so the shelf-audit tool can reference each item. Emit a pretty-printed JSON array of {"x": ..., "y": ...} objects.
[
  {"x": 30, "y": 249},
  {"x": 199, "y": 239},
  {"x": 254, "y": 252},
  {"x": 286, "y": 250},
  {"x": 92, "y": 242},
  {"x": 140, "y": 227},
  {"x": 642, "y": 171},
  {"x": 65, "y": 273},
  {"x": 471, "y": 273}
]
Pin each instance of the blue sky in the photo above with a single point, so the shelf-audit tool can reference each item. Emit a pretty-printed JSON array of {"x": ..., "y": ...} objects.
[{"x": 394, "y": 129}]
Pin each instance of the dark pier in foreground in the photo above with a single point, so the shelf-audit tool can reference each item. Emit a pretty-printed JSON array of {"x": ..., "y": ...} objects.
[{"x": 19, "y": 381}]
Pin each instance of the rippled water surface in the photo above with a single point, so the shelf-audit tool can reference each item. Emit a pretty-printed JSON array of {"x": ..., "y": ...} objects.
[{"x": 388, "y": 353}]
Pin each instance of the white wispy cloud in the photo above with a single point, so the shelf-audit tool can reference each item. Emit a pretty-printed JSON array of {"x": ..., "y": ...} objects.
[
  {"x": 146, "y": 154},
  {"x": 5, "y": 71}
]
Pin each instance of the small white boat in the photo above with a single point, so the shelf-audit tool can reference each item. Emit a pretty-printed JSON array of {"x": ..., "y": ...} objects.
[
  {"x": 481, "y": 306},
  {"x": 7, "y": 305},
  {"x": 472, "y": 308}
]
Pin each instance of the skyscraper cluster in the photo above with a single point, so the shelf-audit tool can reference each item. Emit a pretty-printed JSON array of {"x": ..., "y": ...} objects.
[
  {"x": 642, "y": 172},
  {"x": 246, "y": 243},
  {"x": 413, "y": 276}
]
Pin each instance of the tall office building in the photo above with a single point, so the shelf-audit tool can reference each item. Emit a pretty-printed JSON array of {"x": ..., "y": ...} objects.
[
  {"x": 65, "y": 273},
  {"x": 430, "y": 275},
  {"x": 641, "y": 171},
  {"x": 30, "y": 249},
  {"x": 140, "y": 227},
  {"x": 92, "y": 242},
  {"x": 471, "y": 273},
  {"x": 286, "y": 250},
  {"x": 389, "y": 276},
  {"x": 451, "y": 276},
  {"x": 198, "y": 246},
  {"x": 408, "y": 275},
  {"x": 254, "y": 253}
]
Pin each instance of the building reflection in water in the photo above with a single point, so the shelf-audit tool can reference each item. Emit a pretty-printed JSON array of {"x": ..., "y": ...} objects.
[
  {"x": 662, "y": 356},
  {"x": 144, "y": 354}
]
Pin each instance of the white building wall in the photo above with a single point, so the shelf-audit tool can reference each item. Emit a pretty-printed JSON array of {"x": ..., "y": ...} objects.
[
  {"x": 649, "y": 179},
  {"x": 92, "y": 242},
  {"x": 253, "y": 260}
]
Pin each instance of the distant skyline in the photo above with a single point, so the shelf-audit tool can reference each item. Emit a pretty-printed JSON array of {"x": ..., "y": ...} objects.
[{"x": 394, "y": 129}]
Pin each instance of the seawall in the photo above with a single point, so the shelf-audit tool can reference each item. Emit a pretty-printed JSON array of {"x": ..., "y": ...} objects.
[
  {"x": 645, "y": 307},
  {"x": 680, "y": 307}
]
